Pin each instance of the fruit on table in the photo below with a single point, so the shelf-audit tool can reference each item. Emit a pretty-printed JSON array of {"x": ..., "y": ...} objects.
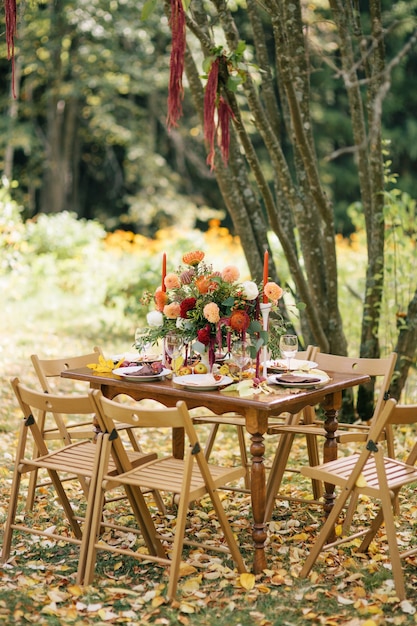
[{"x": 200, "y": 368}]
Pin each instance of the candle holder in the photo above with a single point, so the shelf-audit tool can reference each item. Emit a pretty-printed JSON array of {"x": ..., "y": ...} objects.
[{"x": 265, "y": 311}]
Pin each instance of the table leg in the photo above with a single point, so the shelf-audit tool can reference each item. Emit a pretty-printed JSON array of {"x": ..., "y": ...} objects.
[
  {"x": 258, "y": 496},
  {"x": 331, "y": 406}
]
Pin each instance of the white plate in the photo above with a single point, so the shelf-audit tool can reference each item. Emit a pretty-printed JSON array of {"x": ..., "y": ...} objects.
[
  {"x": 128, "y": 373},
  {"x": 322, "y": 380},
  {"x": 201, "y": 382},
  {"x": 279, "y": 365}
]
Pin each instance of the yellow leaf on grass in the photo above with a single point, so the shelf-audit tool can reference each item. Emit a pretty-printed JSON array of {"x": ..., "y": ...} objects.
[
  {"x": 157, "y": 601},
  {"x": 186, "y": 607},
  {"x": 186, "y": 569},
  {"x": 300, "y": 537},
  {"x": 191, "y": 585},
  {"x": 75, "y": 590},
  {"x": 247, "y": 581},
  {"x": 56, "y": 595}
]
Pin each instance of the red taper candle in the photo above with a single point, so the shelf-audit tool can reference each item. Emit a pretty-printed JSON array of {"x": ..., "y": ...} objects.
[
  {"x": 164, "y": 271},
  {"x": 266, "y": 257}
]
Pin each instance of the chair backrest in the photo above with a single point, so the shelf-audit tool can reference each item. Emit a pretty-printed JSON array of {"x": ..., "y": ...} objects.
[
  {"x": 52, "y": 368},
  {"x": 405, "y": 415},
  {"x": 110, "y": 413},
  {"x": 309, "y": 354},
  {"x": 381, "y": 368},
  {"x": 35, "y": 403}
]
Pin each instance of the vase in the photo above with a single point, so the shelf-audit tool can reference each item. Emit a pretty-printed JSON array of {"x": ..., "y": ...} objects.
[{"x": 205, "y": 359}]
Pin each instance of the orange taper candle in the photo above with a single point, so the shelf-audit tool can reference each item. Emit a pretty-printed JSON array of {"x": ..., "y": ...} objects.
[
  {"x": 266, "y": 257},
  {"x": 164, "y": 271}
]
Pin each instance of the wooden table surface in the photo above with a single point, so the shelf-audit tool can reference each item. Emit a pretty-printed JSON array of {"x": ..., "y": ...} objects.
[{"x": 256, "y": 411}]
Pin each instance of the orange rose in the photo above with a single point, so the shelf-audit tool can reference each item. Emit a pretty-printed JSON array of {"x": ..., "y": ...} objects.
[
  {"x": 172, "y": 281},
  {"x": 172, "y": 311},
  {"x": 211, "y": 312},
  {"x": 230, "y": 274},
  {"x": 273, "y": 292}
]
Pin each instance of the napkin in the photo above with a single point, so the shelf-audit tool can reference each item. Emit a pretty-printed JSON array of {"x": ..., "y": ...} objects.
[{"x": 295, "y": 379}]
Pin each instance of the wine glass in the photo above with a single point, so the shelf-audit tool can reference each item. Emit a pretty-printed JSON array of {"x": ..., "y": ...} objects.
[
  {"x": 174, "y": 343},
  {"x": 142, "y": 343},
  {"x": 288, "y": 345},
  {"x": 241, "y": 355}
]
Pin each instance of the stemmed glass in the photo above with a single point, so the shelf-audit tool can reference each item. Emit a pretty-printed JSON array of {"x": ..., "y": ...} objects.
[
  {"x": 288, "y": 345},
  {"x": 174, "y": 344},
  {"x": 241, "y": 355}
]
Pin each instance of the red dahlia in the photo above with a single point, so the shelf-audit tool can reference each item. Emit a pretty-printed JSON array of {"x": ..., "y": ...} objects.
[
  {"x": 186, "y": 305},
  {"x": 203, "y": 335}
]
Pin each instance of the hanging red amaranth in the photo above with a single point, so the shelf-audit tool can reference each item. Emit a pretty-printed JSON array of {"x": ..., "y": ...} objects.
[
  {"x": 225, "y": 114},
  {"x": 10, "y": 19},
  {"x": 176, "y": 90},
  {"x": 210, "y": 101}
]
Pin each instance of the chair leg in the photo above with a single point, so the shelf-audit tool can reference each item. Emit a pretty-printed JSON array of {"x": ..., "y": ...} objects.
[
  {"x": 276, "y": 472},
  {"x": 314, "y": 459},
  {"x": 324, "y": 533},
  {"x": 244, "y": 454},
  {"x": 210, "y": 440},
  {"x": 180, "y": 529},
  {"x": 11, "y": 515},
  {"x": 242, "y": 449}
]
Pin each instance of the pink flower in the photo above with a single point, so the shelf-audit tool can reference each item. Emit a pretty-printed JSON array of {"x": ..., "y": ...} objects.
[
  {"x": 172, "y": 281},
  {"x": 230, "y": 274},
  {"x": 211, "y": 312},
  {"x": 273, "y": 292},
  {"x": 172, "y": 311}
]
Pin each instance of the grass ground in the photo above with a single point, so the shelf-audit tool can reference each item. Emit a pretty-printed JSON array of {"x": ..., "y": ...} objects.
[{"x": 37, "y": 584}]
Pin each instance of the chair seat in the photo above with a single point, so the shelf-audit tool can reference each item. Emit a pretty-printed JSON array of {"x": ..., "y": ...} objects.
[
  {"x": 168, "y": 475},
  {"x": 78, "y": 458},
  {"x": 342, "y": 436},
  {"x": 338, "y": 472}
]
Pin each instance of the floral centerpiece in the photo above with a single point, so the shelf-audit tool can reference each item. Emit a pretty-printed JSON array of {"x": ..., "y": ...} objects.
[{"x": 208, "y": 308}]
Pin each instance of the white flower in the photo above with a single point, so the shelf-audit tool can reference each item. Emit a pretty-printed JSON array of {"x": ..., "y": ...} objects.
[
  {"x": 250, "y": 290},
  {"x": 155, "y": 318}
]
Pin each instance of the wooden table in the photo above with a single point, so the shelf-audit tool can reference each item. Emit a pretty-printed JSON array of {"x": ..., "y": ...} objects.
[{"x": 256, "y": 411}]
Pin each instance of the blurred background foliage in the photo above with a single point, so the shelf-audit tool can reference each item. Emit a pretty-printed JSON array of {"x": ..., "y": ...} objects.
[{"x": 87, "y": 133}]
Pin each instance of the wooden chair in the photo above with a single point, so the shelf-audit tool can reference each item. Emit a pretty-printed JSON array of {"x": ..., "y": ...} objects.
[
  {"x": 189, "y": 479},
  {"x": 376, "y": 476},
  {"x": 48, "y": 372},
  {"x": 312, "y": 428},
  {"x": 238, "y": 422},
  {"x": 81, "y": 458}
]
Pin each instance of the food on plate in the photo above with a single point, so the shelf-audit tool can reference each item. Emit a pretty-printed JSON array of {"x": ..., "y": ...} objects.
[
  {"x": 149, "y": 369},
  {"x": 185, "y": 370}
]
